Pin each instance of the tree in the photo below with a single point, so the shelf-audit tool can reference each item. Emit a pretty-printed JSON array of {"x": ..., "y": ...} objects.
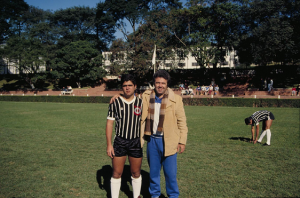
[
  {"x": 32, "y": 44},
  {"x": 224, "y": 24},
  {"x": 135, "y": 13},
  {"x": 10, "y": 12},
  {"x": 79, "y": 61},
  {"x": 118, "y": 57},
  {"x": 158, "y": 30},
  {"x": 293, "y": 17},
  {"x": 194, "y": 35},
  {"x": 27, "y": 56},
  {"x": 209, "y": 29},
  {"x": 38, "y": 25},
  {"x": 270, "y": 35},
  {"x": 80, "y": 23}
]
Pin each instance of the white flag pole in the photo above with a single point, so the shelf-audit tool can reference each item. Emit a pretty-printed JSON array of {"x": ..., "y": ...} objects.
[{"x": 154, "y": 58}]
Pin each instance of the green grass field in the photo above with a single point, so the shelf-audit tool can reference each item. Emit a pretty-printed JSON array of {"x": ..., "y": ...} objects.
[{"x": 59, "y": 150}]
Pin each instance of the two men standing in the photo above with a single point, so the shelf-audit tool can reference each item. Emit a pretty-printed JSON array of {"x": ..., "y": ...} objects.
[{"x": 163, "y": 126}]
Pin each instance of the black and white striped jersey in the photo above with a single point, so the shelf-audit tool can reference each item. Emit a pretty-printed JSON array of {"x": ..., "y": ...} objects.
[
  {"x": 260, "y": 116},
  {"x": 127, "y": 116}
]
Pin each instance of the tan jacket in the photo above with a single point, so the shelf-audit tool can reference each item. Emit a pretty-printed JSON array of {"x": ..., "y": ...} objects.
[{"x": 175, "y": 128}]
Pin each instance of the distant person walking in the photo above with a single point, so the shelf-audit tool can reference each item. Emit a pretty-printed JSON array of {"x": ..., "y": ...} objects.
[
  {"x": 270, "y": 85},
  {"x": 294, "y": 91}
]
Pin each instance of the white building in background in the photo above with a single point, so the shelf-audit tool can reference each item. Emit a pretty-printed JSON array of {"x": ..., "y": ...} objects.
[
  {"x": 188, "y": 62},
  {"x": 12, "y": 67},
  {"x": 7, "y": 67}
]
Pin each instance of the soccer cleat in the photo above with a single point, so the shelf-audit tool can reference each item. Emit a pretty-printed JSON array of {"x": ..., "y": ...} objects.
[{"x": 265, "y": 144}]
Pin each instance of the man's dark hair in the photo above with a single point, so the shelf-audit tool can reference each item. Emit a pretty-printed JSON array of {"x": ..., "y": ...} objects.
[
  {"x": 162, "y": 74},
  {"x": 247, "y": 120},
  {"x": 128, "y": 77}
]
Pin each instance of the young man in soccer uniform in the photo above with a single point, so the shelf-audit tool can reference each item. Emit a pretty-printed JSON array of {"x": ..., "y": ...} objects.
[
  {"x": 267, "y": 118},
  {"x": 126, "y": 112}
]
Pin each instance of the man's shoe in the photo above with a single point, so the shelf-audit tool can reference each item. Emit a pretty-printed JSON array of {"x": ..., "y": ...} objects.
[{"x": 265, "y": 144}]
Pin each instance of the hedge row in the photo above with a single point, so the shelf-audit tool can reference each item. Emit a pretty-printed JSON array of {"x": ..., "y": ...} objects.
[
  {"x": 232, "y": 102},
  {"x": 242, "y": 102}
]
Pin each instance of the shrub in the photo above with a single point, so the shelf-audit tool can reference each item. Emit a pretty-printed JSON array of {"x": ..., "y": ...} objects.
[
  {"x": 231, "y": 102},
  {"x": 242, "y": 102},
  {"x": 61, "y": 99}
]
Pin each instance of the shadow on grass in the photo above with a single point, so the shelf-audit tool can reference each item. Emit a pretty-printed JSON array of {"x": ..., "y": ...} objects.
[
  {"x": 243, "y": 139},
  {"x": 103, "y": 178}
]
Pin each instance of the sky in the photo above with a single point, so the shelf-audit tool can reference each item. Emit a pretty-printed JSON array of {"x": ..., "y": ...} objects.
[
  {"x": 54, "y": 5},
  {"x": 62, "y": 4}
]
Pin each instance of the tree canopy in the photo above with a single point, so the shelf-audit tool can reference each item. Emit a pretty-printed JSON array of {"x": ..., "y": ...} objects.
[
  {"x": 78, "y": 61},
  {"x": 69, "y": 42}
]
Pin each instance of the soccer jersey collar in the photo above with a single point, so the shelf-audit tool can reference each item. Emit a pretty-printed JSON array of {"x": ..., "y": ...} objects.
[{"x": 128, "y": 102}]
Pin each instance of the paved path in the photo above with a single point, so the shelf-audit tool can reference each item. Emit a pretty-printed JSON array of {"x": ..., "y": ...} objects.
[{"x": 100, "y": 91}]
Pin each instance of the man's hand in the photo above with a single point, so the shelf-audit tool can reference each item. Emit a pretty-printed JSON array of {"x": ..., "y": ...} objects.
[
  {"x": 180, "y": 148},
  {"x": 110, "y": 151},
  {"x": 114, "y": 97}
]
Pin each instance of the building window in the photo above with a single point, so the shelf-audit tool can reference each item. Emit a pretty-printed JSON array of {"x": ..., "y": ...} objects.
[
  {"x": 195, "y": 64},
  {"x": 181, "y": 64},
  {"x": 180, "y": 54},
  {"x": 168, "y": 64},
  {"x": 224, "y": 63}
]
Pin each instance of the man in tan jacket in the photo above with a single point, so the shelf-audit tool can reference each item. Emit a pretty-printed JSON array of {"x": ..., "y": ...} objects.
[{"x": 165, "y": 129}]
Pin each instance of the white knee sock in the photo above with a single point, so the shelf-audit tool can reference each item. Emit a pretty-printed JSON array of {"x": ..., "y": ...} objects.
[
  {"x": 263, "y": 133},
  {"x": 115, "y": 185},
  {"x": 268, "y": 136},
  {"x": 136, "y": 186}
]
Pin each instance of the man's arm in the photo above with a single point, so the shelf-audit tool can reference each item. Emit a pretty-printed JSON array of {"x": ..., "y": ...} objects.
[
  {"x": 257, "y": 132},
  {"x": 114, "y": 98},
  {"x": 181, "y": 123},
  {"x": 180, "y": 148},
  {"x": 109, "y": 129},
  {"x": 252, "y": 132}
]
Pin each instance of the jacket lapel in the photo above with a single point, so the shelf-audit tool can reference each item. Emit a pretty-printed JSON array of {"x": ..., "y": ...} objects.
[{"x": 171, "y": 98}]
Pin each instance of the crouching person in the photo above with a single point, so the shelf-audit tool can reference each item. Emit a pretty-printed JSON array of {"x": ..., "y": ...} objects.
[{"x": 267, "y": 118}]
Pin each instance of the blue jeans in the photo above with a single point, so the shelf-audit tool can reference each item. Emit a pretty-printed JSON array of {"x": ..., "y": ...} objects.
[
  {"x": 270, "y": 87},
  {"x": 156, "y": 159}
]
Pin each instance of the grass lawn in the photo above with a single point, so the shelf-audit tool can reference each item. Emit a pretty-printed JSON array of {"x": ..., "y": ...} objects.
[{"x": 59, "y": 150}]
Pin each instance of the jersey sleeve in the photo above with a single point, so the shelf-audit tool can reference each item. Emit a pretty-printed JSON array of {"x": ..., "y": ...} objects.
[
  {"x": 254, "y": 121},
  {"x": 111, "y": 112}
]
